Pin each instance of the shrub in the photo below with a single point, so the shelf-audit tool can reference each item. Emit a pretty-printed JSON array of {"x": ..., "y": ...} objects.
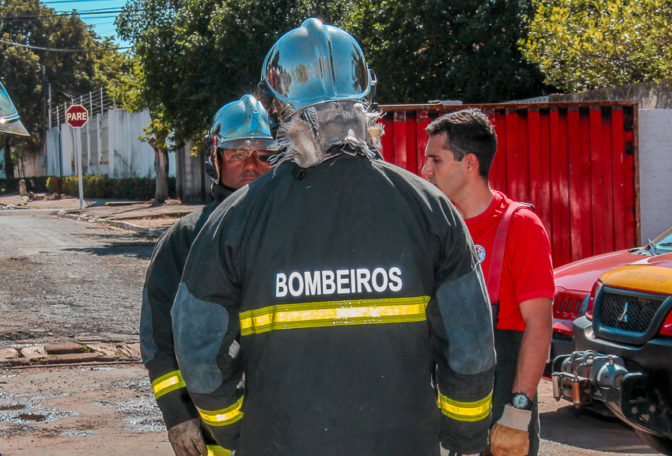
[
  {"x": 69, "y": 185},
  {"x": 95, "y": 186},
  {"x": 33, "y": 184},
  {"x": 9, "y": 185},
  {"x": 53, "y": 184}
]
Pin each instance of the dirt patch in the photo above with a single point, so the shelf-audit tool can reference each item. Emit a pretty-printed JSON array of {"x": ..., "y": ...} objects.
[
  {"x": 110, "y": 408},
  {"x": 77, "y": 291}
]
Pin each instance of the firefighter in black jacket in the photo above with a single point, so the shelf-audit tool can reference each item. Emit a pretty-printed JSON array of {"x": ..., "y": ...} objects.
[
  {"x": 240, "y": 141},
  {"x": 328, "y": 307}
]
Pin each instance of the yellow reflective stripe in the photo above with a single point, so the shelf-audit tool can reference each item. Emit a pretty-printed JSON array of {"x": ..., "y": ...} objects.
[
  {"x": 167, "y": 383},
  {"x": 223, "y": 417},
  {"x": 465, "y": 411},
  {"x": 216, "y": 450},
  {"x": 333, "y": 313}
]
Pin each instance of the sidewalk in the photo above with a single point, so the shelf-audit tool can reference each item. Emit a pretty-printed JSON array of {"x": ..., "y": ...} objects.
[{"x": 141, "y": 216}]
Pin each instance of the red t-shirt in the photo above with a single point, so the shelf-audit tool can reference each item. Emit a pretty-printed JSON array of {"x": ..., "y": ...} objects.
[{"x": 527, "y": 271}]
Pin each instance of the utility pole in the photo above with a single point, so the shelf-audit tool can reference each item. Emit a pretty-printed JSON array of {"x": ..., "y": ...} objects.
[
  {"x": 44, "y": 97},
  {"x": 9, "y": 164},
  {"x": 45, "y": 115},
  {"x": 49, "y": 107}
]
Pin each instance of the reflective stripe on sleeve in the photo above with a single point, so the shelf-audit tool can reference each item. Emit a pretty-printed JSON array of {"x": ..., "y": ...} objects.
[
  {"x": 216, "y": 450},
  {"x": 465, "y": 411},
  {"x": 333, "y": 313},
  {"x": 167, "y": 383},
  {"x": 222, "y": 417}
]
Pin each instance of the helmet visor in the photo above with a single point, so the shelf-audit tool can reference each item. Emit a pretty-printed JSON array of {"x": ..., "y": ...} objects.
[
  {"x": 13, "y": 126},
  {"x": 9, "y": 118},
  {"x": 239, "y": 155},
  {"x": 248, "y": 144}
]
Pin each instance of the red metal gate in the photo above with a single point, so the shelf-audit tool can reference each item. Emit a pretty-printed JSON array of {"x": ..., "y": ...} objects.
[{"x": 575, "y": 162}]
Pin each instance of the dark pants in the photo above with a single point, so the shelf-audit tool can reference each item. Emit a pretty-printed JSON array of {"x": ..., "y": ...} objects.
[{"x": 507, "y": 345}]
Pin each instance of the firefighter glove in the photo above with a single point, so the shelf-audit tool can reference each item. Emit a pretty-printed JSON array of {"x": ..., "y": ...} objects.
[
  {"x": 187, "y": 438},
  {"x": 509, "y": 436}
]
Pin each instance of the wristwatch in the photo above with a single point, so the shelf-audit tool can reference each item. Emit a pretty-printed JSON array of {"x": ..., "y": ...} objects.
[{"x": 521, "y": 401}]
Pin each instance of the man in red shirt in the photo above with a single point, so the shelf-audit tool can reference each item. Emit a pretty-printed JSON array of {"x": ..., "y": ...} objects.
[{"x": 459, "y": 154}]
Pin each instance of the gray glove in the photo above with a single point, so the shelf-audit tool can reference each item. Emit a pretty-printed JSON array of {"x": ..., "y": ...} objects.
[{"x": 187, "y": 438}]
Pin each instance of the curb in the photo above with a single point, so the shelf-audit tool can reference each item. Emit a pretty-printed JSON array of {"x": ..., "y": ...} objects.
[
  {"x": 10, "y": 206},
  {"x": 124, "y": 225}
]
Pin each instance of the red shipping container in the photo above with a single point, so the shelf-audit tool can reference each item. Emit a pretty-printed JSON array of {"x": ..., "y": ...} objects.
[{"x": 576, "y": 162}]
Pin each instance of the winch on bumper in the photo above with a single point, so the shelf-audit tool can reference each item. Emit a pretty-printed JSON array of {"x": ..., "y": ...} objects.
[{"x": 587, "y": 376}]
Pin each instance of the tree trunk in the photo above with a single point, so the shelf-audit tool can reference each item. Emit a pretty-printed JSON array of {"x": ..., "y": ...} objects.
[
  {"x": 9, "y": 164},
  {"x": 161, "y": 170}
]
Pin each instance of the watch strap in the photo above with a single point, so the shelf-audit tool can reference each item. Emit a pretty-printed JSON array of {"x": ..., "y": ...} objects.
[{"x": 521, "y": 401}]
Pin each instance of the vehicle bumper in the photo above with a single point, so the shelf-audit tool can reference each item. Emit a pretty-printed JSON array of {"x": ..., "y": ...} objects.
[
  {"x": 602, "y": 371},
  {"x": 652, "y": 356}
]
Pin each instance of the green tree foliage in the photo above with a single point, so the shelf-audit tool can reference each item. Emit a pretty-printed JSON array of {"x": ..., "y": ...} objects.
[
  {"x": 446, "y": 49},
  {"x": 129, "y": 91},
  {"x": 581, "y": 45},
  {"x": 25, "y": 71},
  {"x": 193, "y": 56}
]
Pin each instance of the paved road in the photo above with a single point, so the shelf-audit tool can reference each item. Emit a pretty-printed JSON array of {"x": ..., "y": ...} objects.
[
  {"x": 25, "y": 233},
  {"x": 64, "y": 279},
  {"x": 564, "y": 431}
]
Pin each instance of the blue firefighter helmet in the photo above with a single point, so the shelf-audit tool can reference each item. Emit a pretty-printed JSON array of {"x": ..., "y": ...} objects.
[
  {"x": 313, "y": 64},
  {"x": 242, "y": 124},
  {"x": 239, "y": 129}
]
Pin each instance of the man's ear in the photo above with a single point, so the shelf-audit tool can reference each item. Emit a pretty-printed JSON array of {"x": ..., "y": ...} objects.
[{"x": 471, "y": 162}]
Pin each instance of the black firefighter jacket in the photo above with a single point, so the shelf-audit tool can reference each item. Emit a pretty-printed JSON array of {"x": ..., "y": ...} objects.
[
  {"x": 156, "y": 332},
  {"x": 337, "y": 310}
]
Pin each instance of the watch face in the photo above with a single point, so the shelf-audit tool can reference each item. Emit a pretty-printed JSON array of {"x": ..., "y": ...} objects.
[{"x": 520, "y": 401}]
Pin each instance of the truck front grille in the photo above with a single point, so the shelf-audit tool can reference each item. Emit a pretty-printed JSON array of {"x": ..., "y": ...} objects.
[
  {"x": 628, "y": 312},
  {"x": 567, "y": 305}
]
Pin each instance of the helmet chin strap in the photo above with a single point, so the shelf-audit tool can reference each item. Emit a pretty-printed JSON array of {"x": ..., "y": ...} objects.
[
  {"x": 215, "y": 155},
  {"x": 310, "y": 116}
]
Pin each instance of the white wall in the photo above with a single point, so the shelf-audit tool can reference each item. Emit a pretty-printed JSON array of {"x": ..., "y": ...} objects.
[
  {"x": 53, "y": 143},
  {"x": 129, "y": 157},
  {"x": 109, "y": 145},
  {"x": 67, "y": 158},
  {"x": 655, "y": 171}
]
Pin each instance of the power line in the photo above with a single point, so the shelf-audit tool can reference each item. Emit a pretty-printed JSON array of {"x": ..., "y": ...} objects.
[
  {"x": 73, "y": 1},
  {"x": 93, "y": 12},
  {"x": 65, "y": 14},
  {"x": 40, "y": 48},
  {"x": 69, "y": 13}
]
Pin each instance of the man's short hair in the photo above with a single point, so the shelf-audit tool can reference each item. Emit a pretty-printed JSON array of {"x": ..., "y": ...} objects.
[{"x": 468, "y": 132}]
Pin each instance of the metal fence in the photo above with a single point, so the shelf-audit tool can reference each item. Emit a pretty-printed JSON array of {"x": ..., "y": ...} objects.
[
  {"x": 97, "y": 102},
  {"x": 109, "y": 145}
]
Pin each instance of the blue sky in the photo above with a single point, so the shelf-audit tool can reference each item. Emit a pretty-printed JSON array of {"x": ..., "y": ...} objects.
[{"x": 99, "y": 13}]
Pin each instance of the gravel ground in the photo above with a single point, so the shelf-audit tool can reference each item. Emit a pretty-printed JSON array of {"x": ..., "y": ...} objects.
[
  {"x": 64, "y": 279},
  {"x": 90, "y": 288}
]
